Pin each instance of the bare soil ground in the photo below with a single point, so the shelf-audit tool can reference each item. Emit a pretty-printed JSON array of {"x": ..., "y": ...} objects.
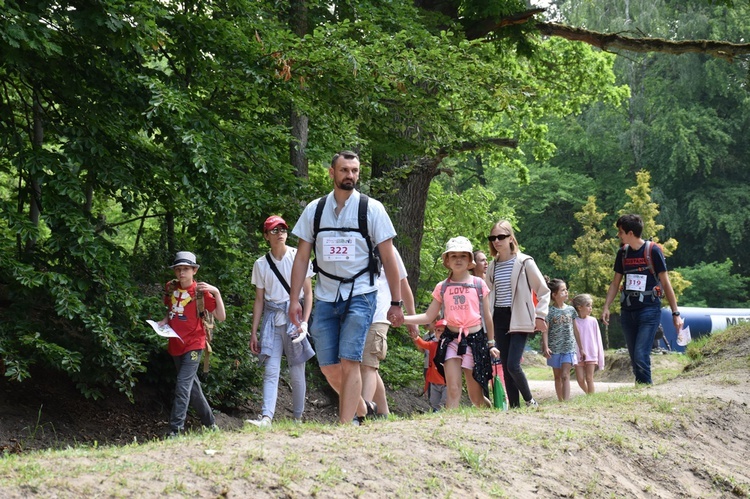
[{"x": 686, "y": 437}]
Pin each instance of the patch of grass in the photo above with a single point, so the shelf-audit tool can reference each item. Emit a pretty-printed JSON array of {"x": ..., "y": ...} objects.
[
  {"x": 22, "y": 471},
  {"x": 331, "y": 476},
  {"x": 256, "y": 455},
  {"x": 613, "y": 437},
  {"x": 175, "y": 487},
  {"x": 539, "y": 373},
  {"x": 593, "y": 486},
  {"x": 208, "y": 469},
  {"x": 662, "y": 425},
  {"x": 433, "y": 485},
  {"x": 730, "y": 484},
  {"x": 497, "y": 491},
  {"x": 662, "y": 406},
  {"x": 473, "y": 458},
  {"x": 726, "y": 380},
  {"x": 39, "y": 427}
]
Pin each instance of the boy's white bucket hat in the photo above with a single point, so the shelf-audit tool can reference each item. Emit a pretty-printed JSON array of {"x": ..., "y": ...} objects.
[
  {"x": 184, "y": 258},
  {"x": 459, "y": 244}
]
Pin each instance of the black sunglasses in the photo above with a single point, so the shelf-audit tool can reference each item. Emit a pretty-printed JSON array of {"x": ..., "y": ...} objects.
[{"x": 499, "y": 237}]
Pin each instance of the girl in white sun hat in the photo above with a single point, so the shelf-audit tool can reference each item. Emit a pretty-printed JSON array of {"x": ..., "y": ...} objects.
[{"x": 468, "y": 340}]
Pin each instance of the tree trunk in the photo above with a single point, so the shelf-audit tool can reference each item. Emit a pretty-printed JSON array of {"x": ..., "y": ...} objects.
[
  {"x": 298, "y": 21},
  {"x": 298, "y": 144},
  {"x": 411, "y": 197},
  {"x": 169, "y": 222},
  {"x": 35, "y": 205}
]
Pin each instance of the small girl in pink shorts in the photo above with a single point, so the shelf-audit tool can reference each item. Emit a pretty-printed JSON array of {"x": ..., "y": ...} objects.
[{"x": 468, "y": 340}]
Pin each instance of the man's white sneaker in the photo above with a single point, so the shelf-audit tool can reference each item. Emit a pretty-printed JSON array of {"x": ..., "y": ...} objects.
[
  {"x": 533, "y": 404},
  {"x": 264, "y": 422}
]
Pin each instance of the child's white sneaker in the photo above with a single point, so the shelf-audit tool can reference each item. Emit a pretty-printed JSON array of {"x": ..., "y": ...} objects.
[{"x": 264, "y": 422}]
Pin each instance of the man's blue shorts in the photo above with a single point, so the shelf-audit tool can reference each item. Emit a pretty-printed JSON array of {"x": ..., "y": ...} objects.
[{"x": 339, "y": 332}]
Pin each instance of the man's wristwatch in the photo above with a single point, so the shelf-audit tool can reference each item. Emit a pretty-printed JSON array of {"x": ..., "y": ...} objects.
[
  {"x": 399, "y": 303},
  {"x": 676, "y": 314}
]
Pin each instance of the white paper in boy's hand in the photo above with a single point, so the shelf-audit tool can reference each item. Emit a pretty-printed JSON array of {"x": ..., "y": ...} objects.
[
  {"x": 164, "y": 330},
  {"x": 683, "y": 337}
]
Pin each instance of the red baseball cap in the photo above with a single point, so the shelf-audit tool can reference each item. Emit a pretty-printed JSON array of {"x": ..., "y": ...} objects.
[
  {"x": 273, "y": 221},
  {"x": 441, "y": 323}
]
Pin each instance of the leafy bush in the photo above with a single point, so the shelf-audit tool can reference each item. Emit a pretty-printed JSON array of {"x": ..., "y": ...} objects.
[
  {"x": 405, "y": 361},
  {"x": 714, "y": 285}
]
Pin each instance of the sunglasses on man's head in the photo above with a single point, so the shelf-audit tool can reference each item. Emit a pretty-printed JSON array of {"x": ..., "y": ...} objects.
[
  {"x": 276, "y": 230},
  {"x": 499, "y": 237}
]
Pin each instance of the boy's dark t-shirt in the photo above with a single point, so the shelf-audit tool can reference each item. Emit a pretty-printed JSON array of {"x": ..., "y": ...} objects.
[
  {"x": 183, "y": 318},
  {"x": 635, "y": 264}
]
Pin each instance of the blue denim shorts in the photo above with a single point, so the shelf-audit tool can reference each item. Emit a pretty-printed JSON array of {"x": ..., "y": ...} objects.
[
  {"x": 558, "y": 359},
  {"x": 340, "y": 333}
]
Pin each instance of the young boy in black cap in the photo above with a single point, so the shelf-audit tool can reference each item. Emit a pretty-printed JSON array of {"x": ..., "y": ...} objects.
[{"x": 180, "y": 297}]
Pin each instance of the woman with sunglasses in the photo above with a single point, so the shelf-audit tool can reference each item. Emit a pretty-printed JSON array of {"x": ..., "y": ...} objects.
[
  {"x": 271, "y": 276},
  {"x": 520, "y": 296}
]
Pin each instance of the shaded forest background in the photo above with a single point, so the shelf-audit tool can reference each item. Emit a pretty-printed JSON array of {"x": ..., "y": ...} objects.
[{"x": 131, "y": 131}]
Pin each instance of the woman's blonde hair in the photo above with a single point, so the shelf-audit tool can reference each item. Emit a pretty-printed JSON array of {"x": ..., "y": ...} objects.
[
  {"x": 581, "y": 300},
  {"x": 505, "y": 225}
]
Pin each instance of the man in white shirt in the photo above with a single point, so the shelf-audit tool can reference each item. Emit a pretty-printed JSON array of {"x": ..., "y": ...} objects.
[
  {"x": 376, "y": 344},
  {"x": 345, "y": 303}
]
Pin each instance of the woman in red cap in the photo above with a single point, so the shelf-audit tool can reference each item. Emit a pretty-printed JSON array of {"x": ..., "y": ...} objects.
[{"x": 271, "y": 277}]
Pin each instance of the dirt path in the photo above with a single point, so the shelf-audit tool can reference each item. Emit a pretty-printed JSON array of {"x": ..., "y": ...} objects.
[
  {"x": 627, "y": 442},
  {"x": 688, "y": 437},
  {"x": 545, "y": 390}
]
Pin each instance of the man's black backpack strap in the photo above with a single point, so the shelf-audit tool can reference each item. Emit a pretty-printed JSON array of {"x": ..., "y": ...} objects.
[
  {"x": 318, "y": 215},
  {"x": 275, "y": 270}
]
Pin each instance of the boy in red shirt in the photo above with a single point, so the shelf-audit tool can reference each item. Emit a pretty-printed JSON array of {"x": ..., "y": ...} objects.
[
  {"x": 186, "y": 350},
  {"x": 435, "y": 383}
]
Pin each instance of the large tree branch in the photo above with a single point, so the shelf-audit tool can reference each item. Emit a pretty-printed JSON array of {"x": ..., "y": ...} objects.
[
  {"x": 609, "y": 41},
  {"x": 482, "y": 28},
  {"x": 615, "y": 41}
]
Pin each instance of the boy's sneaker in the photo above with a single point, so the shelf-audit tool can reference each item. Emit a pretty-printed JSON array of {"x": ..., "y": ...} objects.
[
  {"x": 372, "y": 410},
  {"x": 263, "y": 422},
  {"x": 532, "y": 403}
]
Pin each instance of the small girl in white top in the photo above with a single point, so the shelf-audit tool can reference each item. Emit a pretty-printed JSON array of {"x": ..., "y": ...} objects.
[{"x": 591, "y": 353}]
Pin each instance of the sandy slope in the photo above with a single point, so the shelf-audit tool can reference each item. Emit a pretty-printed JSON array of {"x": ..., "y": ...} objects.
[{"x": 689, "y": 437}]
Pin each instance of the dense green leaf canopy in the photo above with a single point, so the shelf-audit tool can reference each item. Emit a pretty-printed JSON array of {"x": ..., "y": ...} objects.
[{"x": 131, "y": 130}]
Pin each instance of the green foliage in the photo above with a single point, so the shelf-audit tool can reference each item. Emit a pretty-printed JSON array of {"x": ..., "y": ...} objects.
[
  {"x": 589, "y": 269},
  {"x": 640, "y": 203},
  {"x": 150, "y": 152},
  {"x": 684, "y": 123},
  {"x": 448, "y": 214},
  {"x": 405, "y": 361},
  {"x": 129, "y": 131},
  {"x": 715, "y": 285}
]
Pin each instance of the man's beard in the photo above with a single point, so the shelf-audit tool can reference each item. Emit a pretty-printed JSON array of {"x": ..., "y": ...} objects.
[{"x": 346, "y": 186}]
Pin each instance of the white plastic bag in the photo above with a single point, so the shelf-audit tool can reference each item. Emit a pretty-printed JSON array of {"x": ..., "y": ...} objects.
[{"x": 683, "y": 337}]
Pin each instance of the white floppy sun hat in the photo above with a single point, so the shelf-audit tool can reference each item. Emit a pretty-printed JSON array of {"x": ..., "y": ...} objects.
[{"x": 459, "y": 244}]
